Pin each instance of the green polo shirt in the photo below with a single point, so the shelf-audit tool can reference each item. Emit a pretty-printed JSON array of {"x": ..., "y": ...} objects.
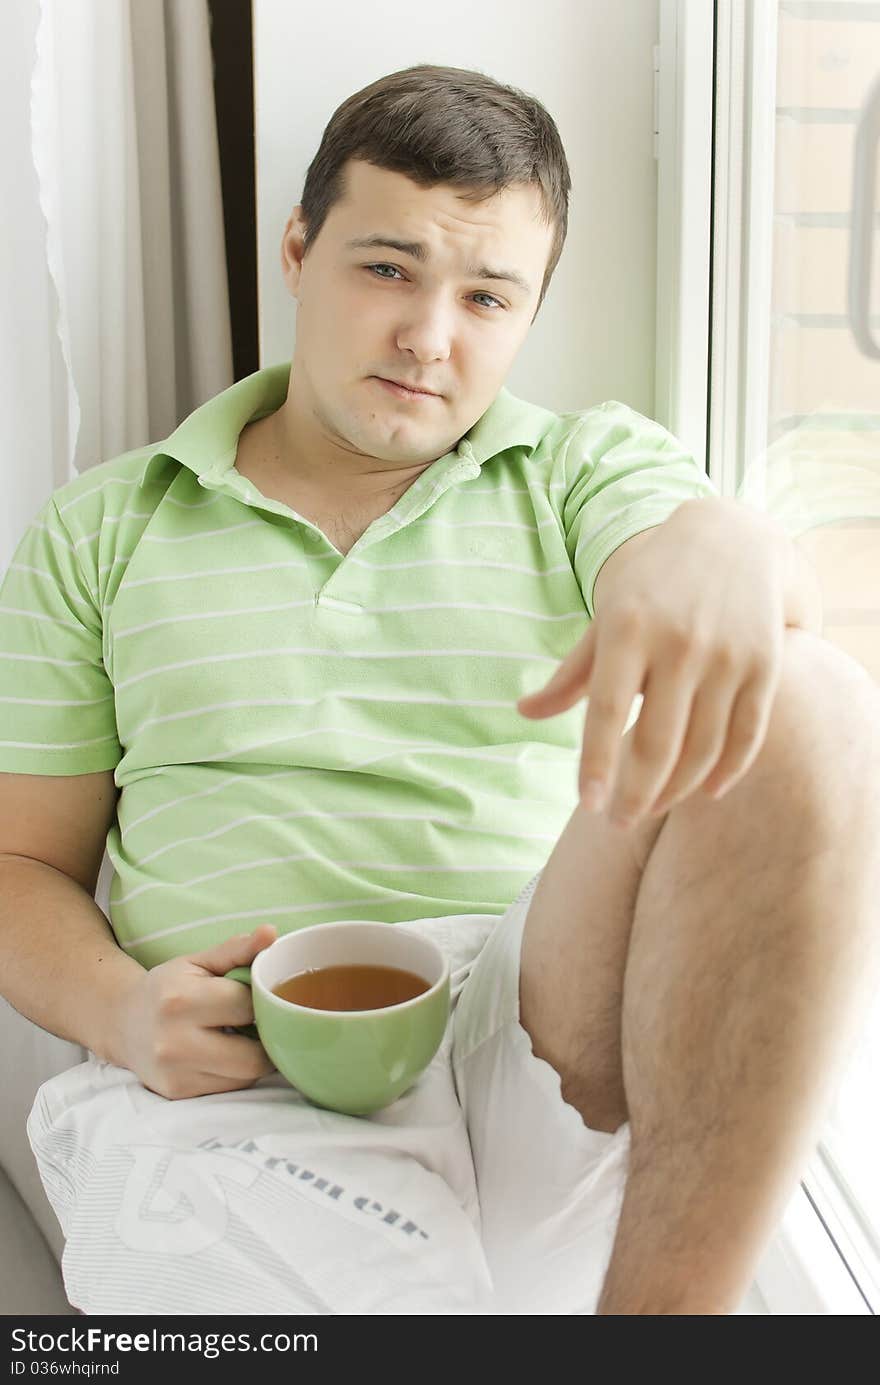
[{"x": 300, "y": 736}]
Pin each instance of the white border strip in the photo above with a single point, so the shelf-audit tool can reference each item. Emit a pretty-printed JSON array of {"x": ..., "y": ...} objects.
[
  {"x": 759, "y": 195},
  {"x": 728, "y": 247},
  {"x": 45, "y": 115},
  {"x": 684, "y": 203}
]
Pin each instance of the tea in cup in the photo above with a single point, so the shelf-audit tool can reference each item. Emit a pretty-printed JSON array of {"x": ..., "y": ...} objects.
[{"x": 351, "y": 1013}]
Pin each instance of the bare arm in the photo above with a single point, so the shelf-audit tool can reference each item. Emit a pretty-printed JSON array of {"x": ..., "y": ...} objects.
[{"x": 61, "y": 966}]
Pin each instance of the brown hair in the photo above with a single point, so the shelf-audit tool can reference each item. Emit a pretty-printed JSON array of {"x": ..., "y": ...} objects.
[{"x": 444, "y": 125}]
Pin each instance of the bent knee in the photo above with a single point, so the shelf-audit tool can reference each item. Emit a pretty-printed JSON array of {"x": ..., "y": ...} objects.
[
  {"x": 821, "y": 684},
  {"x": 825, "y": 721}
]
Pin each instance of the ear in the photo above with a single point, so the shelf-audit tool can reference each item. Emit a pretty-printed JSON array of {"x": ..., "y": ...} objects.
[{"x": 292, "y": 250}]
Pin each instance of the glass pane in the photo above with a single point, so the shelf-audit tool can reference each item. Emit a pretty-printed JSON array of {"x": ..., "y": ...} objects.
[
  {"x": 821, "y": 468},
  {"x": 822, "y": 461}
]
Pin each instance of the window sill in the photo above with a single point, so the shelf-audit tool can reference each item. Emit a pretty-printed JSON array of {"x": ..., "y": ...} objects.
[{"x": 802, "y": 1273}]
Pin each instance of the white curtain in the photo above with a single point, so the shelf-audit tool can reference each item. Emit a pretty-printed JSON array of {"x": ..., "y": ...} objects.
[{"x": 114, "y": 309}]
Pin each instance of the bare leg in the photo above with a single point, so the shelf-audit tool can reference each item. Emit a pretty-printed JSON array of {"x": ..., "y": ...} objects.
[{"x": 702, "y": 975}]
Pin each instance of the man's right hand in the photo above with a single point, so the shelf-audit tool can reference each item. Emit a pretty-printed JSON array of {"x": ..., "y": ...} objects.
[{"x": 171, "y": 1022}]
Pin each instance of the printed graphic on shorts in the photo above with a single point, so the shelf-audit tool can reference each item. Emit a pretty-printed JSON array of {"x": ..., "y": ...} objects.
[
  {"x": 308, "y": 1179},
  {"x": 244, "y": 1227},
  {"x": 175, "y": 1201}
]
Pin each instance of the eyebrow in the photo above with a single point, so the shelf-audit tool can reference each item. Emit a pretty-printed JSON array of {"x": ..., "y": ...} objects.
[{"x": 420, "y": 252}]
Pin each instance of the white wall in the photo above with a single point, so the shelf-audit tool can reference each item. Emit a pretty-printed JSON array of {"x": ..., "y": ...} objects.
[{"x": 589, "y": 62}]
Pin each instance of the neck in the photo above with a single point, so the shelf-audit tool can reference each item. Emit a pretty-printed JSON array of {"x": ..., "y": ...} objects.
[{"x": 291, "y": 445}]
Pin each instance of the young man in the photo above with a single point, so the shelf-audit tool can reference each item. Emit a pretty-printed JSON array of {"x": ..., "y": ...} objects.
[{"x": 280, "y": 663}]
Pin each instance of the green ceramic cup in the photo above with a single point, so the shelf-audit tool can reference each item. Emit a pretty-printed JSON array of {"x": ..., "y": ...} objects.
[{"x": 355, "y": 1061}]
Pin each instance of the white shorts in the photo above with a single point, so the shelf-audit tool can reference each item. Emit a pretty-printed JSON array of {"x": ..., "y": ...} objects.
[{"x": 479, "y": 1191}]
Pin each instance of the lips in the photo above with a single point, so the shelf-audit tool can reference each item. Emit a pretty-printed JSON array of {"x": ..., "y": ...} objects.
[{"x": 404, "y": 385}]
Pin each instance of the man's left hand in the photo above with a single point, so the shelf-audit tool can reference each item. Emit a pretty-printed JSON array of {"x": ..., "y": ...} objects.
[{"x": 695, "y": 622}]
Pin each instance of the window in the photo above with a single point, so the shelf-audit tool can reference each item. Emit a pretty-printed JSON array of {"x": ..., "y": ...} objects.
[{"x": 790, "y": 396}]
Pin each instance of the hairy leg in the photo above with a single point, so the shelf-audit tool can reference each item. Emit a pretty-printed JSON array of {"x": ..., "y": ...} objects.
[{"x": 701, "y": 975}]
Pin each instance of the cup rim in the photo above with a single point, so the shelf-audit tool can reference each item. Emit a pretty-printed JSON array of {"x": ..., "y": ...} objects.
[{"x": 278, "y": 1000}]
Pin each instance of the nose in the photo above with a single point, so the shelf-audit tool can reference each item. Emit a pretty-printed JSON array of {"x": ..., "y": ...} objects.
[{"x": 427, "y": 331}]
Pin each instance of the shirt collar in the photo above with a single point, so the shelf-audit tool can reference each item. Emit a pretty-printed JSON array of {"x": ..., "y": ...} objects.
[{"x": 207, "y": 440}]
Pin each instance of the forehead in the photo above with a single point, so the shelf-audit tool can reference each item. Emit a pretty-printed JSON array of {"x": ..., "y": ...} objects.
[{"x": 379, "y": 201}]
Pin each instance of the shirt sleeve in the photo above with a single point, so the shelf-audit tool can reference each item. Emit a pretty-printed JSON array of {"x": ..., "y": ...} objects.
[
  {"x": 58, "y": 703},
  {"x": 623, "y": 473}
]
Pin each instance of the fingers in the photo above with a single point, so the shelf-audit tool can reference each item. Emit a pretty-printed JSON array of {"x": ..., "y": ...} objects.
[
  {"x": 655, "y": 744},
  {"x": 568, "y": 684},
  {"x": 235, "y": 952},
  {"x": 707, "y": 734},
  {"x": 749, "y": 724},
  {"x": 205, "y": 1084},
  {"x": 231, "y": 1057},
  {"x": 229, "y": 1067},
  {"x": 691, "y": 738},
  {"x": 215, "y": 1001},
  {"x": 705, "y": 713},
  {"x": 618, "y": 674}
]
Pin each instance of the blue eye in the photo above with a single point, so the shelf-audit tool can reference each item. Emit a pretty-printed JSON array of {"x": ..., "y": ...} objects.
[{"x": 395, "y": 270}]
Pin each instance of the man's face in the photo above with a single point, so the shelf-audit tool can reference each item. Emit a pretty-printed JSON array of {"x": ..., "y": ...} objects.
[{"x": 429, "y": 320}]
